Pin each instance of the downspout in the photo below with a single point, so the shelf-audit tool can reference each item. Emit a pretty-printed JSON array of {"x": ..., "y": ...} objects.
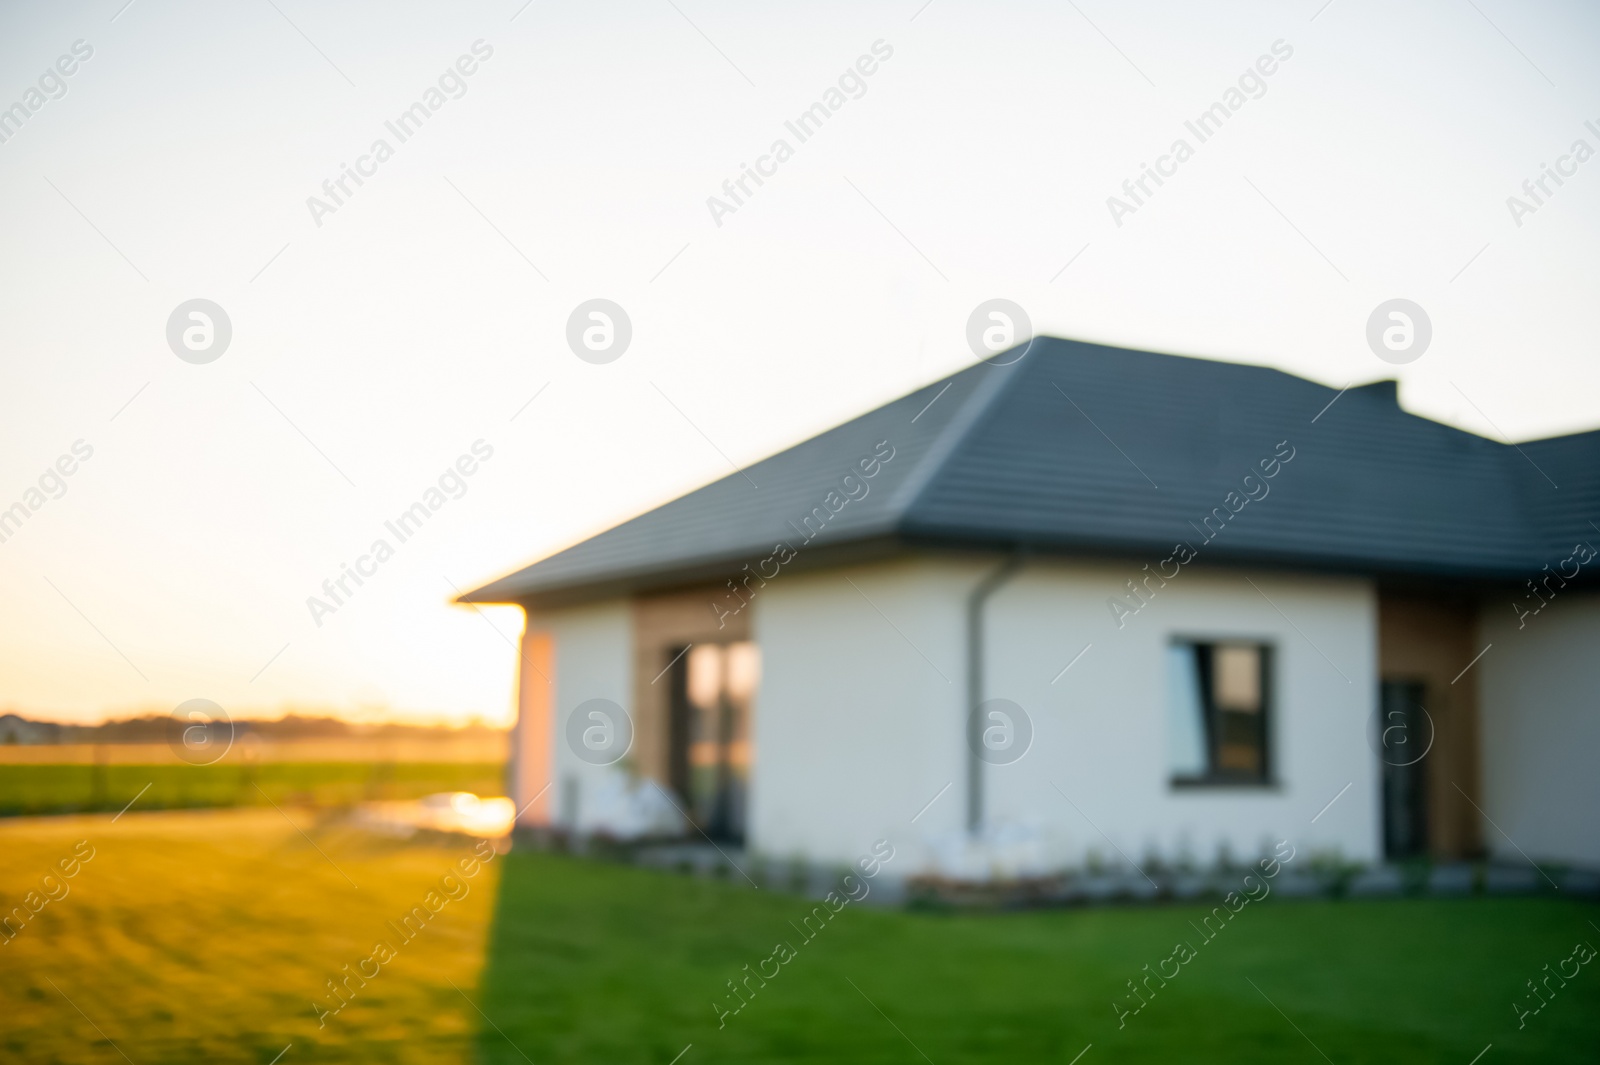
[{"x": 976, "y": 600}]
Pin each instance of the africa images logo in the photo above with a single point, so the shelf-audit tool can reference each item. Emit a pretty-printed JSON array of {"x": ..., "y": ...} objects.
[{"x": 199, "y": 331}]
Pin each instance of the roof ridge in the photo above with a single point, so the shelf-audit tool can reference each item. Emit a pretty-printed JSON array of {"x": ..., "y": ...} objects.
[{"x": 982, "y": 397}]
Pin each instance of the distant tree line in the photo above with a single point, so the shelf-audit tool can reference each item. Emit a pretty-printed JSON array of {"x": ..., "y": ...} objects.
[{"x": 153, "y": 728}]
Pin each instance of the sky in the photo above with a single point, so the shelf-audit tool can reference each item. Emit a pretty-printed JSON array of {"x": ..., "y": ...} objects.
[{"x": 381, "y": 333}]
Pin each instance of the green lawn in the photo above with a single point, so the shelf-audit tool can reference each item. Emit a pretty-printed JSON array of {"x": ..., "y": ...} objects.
[
  {"x": 40, "y": 789},
  {"x": 207, "y": 936},
  {"x": 593, "y": 963}
]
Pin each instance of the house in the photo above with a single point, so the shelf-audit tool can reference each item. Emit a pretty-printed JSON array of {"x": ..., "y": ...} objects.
[{"x": 1082, "y": 604}]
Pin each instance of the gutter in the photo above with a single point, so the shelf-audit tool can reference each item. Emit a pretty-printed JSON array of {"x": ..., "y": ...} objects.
[{"x": 976, "y": 599}]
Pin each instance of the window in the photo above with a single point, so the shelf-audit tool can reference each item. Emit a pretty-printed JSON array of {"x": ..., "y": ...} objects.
[
  {"x": 1217, "y": 712},
  {"x": 713, "y": 687}
]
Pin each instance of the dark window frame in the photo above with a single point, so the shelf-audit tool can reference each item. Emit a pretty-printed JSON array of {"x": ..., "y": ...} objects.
[
  {"x": 717, "y": 823},
  {"x": 1214, "y": 776}
]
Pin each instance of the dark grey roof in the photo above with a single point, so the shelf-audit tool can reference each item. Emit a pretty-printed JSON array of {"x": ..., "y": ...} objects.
[{"x": 1078, "y": 447}]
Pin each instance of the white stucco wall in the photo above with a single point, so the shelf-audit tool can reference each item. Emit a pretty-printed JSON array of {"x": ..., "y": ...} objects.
[
  {"x": 1101, "y": 729},
  {"x": 592, "y": 660},
  {"x": 859, "y": 725},
  {"x": 1540, "y": 712},
  {"x": 855, "y": 731}
]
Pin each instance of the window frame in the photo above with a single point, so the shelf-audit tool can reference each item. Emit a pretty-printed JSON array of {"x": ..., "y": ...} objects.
[{"x": 1213, "y": 778}]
